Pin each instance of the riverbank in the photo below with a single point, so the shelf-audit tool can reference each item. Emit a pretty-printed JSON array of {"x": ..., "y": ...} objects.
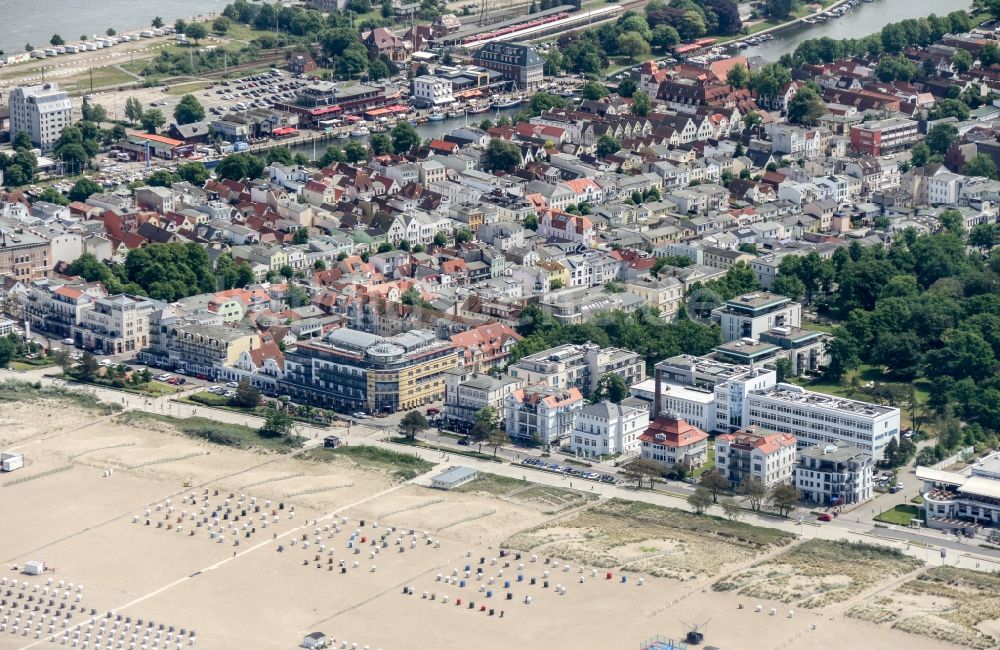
[{"x": 867, "y": 18}]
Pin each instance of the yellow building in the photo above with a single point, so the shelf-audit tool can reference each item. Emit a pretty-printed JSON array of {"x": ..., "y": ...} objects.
[{"x": 354, "y": 370}]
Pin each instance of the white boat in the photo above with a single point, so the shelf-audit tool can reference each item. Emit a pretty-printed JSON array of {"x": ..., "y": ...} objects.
[
  {"x": 435, "y": 116},
  {"x": 456, "y": 113},
  {"x": 360, "y": 131},
  {"x": 508, "y": 102},
  {"x": 343, "y": 135}
]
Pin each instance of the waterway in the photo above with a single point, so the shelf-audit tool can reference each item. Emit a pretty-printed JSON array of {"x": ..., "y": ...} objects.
[
  {"x": 34, "y": 21},
  {"x": 427, "y": 131},
  {"x": 866, "y": 18}
]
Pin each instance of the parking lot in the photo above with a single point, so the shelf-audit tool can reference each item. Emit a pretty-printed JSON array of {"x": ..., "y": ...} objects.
[{"x": 569, "y": 470}]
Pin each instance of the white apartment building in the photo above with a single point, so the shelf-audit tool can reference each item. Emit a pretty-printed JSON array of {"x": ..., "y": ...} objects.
[
  {"x": 42, "y": 111},
  {"x": 579, "y": 366},
  {"x": 750, "y": 315},
  {"x": 541, "y": 415},
  {"x": 607, "y": 428},
  {"x": 830, "y": 475},
  {"x": 943, "y": 188},
  {"x": 432, "y": 91},
  {"x": 114, "y": 325},
  {"x": 755, "y": 452},
  {"x": 820, "y": 419}
]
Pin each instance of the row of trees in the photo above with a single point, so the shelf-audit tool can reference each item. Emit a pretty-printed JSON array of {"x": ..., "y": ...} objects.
[
  {"x": 781, "y": 497},
  {"x": 892, "y": 39}
]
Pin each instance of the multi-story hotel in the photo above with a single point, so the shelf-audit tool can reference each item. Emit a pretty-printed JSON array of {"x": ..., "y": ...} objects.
[{"x": 348, "y": 369}]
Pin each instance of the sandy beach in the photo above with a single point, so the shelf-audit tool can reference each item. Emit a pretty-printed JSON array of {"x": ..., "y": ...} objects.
[{"x": 327, "y": 576}]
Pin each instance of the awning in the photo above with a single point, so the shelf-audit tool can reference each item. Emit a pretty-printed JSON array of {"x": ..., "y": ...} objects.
[
  {"x": 284, "y": 130},
  {"x": 325, "y": 110}
]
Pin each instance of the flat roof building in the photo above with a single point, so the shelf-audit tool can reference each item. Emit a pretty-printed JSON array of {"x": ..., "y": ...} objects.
[
  {"x": 453, "y": 478},
  {"x": 42, "y": 111},
  {"x": 821, "y": 419},
  {"x": 354, "y": 370}
]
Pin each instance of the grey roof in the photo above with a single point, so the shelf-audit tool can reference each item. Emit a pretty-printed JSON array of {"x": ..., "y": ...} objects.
[{"x": 455, "y": 474}]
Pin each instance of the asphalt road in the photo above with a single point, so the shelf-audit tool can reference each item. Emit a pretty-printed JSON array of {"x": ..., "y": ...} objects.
[{"x": 855, "y": 525}]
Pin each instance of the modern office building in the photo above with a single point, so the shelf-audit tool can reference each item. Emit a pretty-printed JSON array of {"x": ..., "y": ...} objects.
[
  {"x": 754, "y": 452},
  {"x": 750, "y": 315},
  {"x": 693, "y": 403},
  {"x": 353, "y": 370},
  {"x": 578, "y": 366},
  {"x": 43, "y": 111},
  {"x": 880, "y": 136},
  {"x": 821, "y": 419},
  {"x": 831, "y": 475},
  {"x": 606, "y": 429}
]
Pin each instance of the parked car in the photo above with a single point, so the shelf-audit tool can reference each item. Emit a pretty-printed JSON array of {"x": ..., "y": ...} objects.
[
  {"x": 825, "y": 517},
  {"x": 359, "y": 415},
  {"x": 232, "y": 384}
]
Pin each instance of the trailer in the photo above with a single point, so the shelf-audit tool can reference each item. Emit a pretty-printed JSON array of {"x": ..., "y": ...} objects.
[{"x": 11, "y": 460}]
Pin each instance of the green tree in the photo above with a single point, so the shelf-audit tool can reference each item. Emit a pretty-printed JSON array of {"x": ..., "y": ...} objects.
[
  {"x": 440, "y": 239},
  {"x": 355, "y": 152},
  {"x": 665, "y": 37},
  {"x": 941, "y": 137},
  {"x": 239, "y": 166},
  {"x": 110, "y": 31},
  {"x": 952, "y": 221},
  {"x": 784, "y": 369},
  {"x": 152, "y": 120},
  {"x": 246, "y": 395},
  {"x": 606, "y": 145},
  {"x": 88, "y": 367},
  {"x": 404, "y": 137},
  {"x": 83, "y": 188},
  {"x": 413, "y": 423},
  {"x": 281, "y": 155},
  {"x": 380, "y": 144},
  {"x": 783, "y": 498},
  {"x": 52, "y": 195},
  {"x": 731, "y": 508},
  {"x": 754, "y": 491},
  {"x": 196, "y": 31},
  {"x": 779, "y": 9},
  {"x": 593, "y": 90},
  {"x": 133, "y": 110},
  {"x": 56, "y": 40},
  {"x": 771, "y": 80},
  {"x": 700, "y": 500},
  {"x": 502, "y": 155},
  {"x": 642, "y": 105},
  {"x": 738, "y": 76},
  {"x": 157, "y": 22},
  {"x": 277, "y": 424},
  {"x": 715, "y": 483},
  {"x": 610, "y": 387},
  {"x": 962, "y": 61},
  {"x": 221, "y": 25},
  {"x": 632, "y": 44},
  {"x": 189, "y": 110},
  {"x": 920, "y": 154},
  {"x": 193, "y": 172},
  {"x": 981, "y": 165},
  {"x": 806, "y": 107}
]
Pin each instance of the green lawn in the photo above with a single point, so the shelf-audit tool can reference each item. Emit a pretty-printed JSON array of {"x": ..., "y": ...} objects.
[
  {"x": 709, "y": 463},
  {"x": 219, "y": 433},
  {"x": 31, "y": 364},
  {"x": 900, "y": 515},
  {"x": 104, "y": 77},
  {"x": 187, "y": 87},
  {"x": 405, "y": 466}
]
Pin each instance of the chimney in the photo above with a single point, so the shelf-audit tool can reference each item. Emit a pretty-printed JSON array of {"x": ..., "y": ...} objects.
[{"x": 656, "y": 392}]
